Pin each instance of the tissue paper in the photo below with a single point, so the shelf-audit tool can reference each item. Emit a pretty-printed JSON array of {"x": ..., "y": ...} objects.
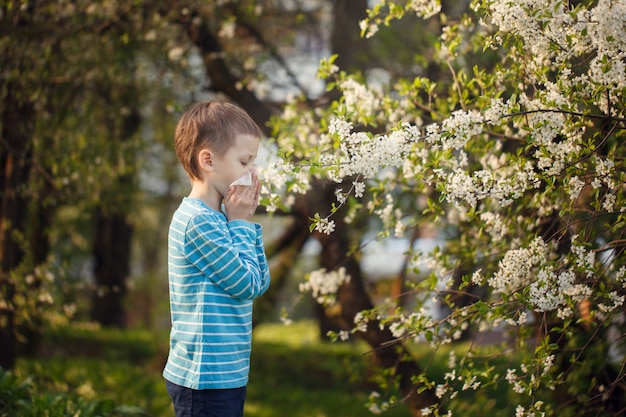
[{"x": 245, "y": 179}]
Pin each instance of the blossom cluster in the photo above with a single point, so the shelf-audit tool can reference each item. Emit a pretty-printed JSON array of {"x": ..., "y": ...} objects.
[
  {"x": 279, "y": 179},
  {"x": 360, "y": 99},
  {"x": 504, "y": 185},
  {"x": 366, "y": 155},
  {"x": 324, "y": 284},
  {"x": 515, "y": 269},
  {"x": 548, "y": 290},
  {"x": 554, "y": 35},
  {"x": 425, "y": 8}
]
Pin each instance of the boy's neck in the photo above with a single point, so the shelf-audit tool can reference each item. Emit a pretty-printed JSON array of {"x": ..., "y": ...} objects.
[{"x": 207, "y": 194}]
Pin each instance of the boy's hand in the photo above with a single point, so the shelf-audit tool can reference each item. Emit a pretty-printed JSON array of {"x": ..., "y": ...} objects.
[{"x": 241, "y": 201}]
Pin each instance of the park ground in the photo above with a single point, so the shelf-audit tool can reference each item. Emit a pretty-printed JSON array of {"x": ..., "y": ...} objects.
[{"x": 293, "y": 373}]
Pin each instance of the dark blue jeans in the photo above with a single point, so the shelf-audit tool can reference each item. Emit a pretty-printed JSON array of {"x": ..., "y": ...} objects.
[{"x": 207, "y": 402}]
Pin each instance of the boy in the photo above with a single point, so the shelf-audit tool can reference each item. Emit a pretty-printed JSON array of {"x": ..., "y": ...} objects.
[{"x": 216, "y": 262}]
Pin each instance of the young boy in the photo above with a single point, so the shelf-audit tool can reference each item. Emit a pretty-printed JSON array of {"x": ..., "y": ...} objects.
[{"x": 216, "y": 263}]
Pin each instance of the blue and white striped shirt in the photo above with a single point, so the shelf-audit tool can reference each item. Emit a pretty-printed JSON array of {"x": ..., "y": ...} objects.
[{"x": 216, "y": 268}]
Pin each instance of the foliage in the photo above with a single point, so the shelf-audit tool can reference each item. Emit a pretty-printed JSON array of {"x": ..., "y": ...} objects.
[
  {"x": 517, "y": 158},
  {"x": 100, "y": 365},
  {"x": 88, "y": 72},
  {"x": 19, "y": 399}
]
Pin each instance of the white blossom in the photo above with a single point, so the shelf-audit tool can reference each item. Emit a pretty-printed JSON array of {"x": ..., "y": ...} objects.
[
  {"x": 609, "y": 202},
  {"x": 341, "y": 196},
  {"x": 517, "y": 268},
  {"x": 620, "y": 275},
  {"x": 324, "y": 284},
  {"x": 359, "y": 188},
  {"x": 339, "y": 127},
  {"x": 440, "y": 390},
  {"x": 477, "y": 277},
  {"x": 575, "y": 187},
  {"x": 325, "y": 226},
  {"x": 426, "y": 8},
  {"x": 616, "y": 300},
  {"x": 494, "y": 225},
  {"x": 360, "y": 322},
  {"x": 227, "y": 30},
  {"x": 460, "y": 128},
  {"x": 369, "y": 28},
  {"x": 359, "y": 98},
  {"x": 584, "y": 259}
]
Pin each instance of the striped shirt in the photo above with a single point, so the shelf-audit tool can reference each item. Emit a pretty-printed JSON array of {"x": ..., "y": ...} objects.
[{"x": 216, "y": 268}]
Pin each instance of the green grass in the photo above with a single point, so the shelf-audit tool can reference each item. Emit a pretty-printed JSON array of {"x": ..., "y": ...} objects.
[
  {"x": 122, "y": 366},
  {"x": 293, "y": 373}
]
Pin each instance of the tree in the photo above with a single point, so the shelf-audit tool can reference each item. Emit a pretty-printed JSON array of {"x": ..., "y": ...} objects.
[
  {"x": 69, "y": 84},
  {"x": 519, "y": 152}
]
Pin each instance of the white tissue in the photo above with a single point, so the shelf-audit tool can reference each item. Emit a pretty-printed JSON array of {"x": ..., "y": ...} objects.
[{"x": 245, "y": 179}]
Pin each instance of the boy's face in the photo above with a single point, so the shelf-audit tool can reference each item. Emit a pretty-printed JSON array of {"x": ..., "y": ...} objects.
[{"x": 236, "y": 161}]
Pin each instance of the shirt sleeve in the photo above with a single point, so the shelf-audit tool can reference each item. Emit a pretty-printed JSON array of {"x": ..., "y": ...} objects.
[{"x": 231, "y": 254}]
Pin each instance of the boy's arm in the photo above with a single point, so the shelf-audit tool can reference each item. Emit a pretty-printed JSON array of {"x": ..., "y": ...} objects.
[
  {"x": 232, "y": 257},
  {"x": 243, "y": 233}
]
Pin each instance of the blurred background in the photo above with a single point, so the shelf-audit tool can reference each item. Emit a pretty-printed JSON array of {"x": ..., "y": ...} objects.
[{"x": 91, "y": 92}]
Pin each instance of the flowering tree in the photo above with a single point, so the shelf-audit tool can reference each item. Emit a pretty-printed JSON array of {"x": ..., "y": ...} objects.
[{"x": 517, "y": 159}]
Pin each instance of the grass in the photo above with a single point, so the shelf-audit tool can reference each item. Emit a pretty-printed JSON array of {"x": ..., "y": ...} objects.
[
  {"x": 293, "y": 373},
  {"x": 106, "y": 364}
]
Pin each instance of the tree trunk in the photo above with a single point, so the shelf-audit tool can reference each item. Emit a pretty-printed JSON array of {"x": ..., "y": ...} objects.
[
  {"x": 345, "y": 38},
  {"x": 113, "y": 233},
  {"x": 15, "y": 162},
  {"x": 112, "y": 263},
  {"x": 282, "y": 256},
  {"x": 222, "y": 79},
  {"x": 353, "y": 298}
]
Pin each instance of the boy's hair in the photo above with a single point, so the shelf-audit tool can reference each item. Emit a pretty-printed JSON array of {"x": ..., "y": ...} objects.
[{"x": 213, "y": 125}]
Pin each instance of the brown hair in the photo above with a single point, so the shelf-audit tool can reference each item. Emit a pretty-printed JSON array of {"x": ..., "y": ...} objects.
[{"x": 213, "y": 125}]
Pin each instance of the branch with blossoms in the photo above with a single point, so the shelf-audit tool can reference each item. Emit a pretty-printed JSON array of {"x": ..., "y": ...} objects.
[
  {"x": 364, "y": 155},
  {"x": 326, "y": 224},
  {"x": 521, "y": 168}
]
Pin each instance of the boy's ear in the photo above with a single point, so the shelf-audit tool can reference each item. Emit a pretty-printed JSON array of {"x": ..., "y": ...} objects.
[{"x": 205, "y": 158}]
